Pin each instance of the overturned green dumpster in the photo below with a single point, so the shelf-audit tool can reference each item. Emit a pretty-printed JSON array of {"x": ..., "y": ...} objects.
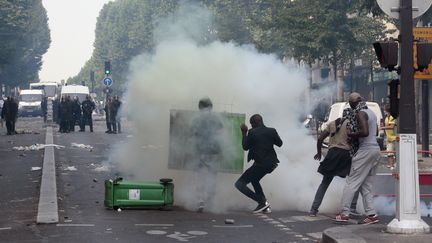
[{"x": 129, "y": 194}]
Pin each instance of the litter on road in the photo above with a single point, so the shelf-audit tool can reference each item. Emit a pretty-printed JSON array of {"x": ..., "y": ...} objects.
[
  {"x": 80, "y": 145},
  {"x": 70, "y": 168},
  {"x": 35, "y": 168},
  {"x": 36, "y": 146},
  {"x": 103, "y": 168}
]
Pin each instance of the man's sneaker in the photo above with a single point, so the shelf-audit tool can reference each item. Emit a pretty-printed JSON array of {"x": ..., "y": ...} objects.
[
  {"x": 371, "y": 219},
  {"x": 200, "y": 207},
  {"x": 267, "y": 210},
  {"x": 341, "y": 218},
  {"x": 261, "y": 207},
  {"x": 313, "y": 213}
]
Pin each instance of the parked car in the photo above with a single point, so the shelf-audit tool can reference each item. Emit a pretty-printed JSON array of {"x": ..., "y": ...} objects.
[
  {"x": 30, "y": 102},
  {"x": 336, "y": 111}
]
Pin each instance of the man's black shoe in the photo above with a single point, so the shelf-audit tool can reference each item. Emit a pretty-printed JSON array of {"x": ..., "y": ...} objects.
[{"x": 261, "y": 207}]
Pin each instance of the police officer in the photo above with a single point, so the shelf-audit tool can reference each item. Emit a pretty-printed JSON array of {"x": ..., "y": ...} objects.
[
  {"x": 108, "y": 114},
  {"x": 63, "y": 115},
  {"x": 44, "y": 107},
  {"x": 9, "y": 113},
  {"x": 76, "y": 113},
  {"x": 87, "y": 108},
  {"x": 116, "y": 106}
]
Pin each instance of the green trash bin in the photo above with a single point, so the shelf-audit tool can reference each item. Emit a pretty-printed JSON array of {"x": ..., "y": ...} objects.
[{"x": 128, "y": 194}]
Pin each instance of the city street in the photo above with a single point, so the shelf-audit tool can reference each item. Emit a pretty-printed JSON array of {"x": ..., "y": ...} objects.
[{"x": 83, "y": 218}]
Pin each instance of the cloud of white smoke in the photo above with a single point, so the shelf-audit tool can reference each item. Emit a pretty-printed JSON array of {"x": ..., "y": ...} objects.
[{"x": 238, "y": 79}]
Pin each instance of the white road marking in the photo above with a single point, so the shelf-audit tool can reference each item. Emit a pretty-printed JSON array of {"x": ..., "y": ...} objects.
[
  {"x": 286, "y": 228},
  {"x": 155, "y": 225},
  {"x": 75, "y": 225},
  {"x": 305, "y": 238},
  {"x": 233, "y": 226},
  {"x": 6, "y": 228},
  {"x": 156, "y": 232},
  {"x": 197, "y": 232}
]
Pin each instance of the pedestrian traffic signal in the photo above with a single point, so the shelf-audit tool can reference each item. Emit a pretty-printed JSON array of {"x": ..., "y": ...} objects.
[
  {"x": 107, "y": 67},
  {"x": 424, "y": 55},
  {"x": 394, "y": 97},
  {"x": 387, "y": 53}
]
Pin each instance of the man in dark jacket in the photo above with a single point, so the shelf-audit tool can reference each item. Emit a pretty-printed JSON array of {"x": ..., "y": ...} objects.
[
  {"x": 108, "y": 114},
  {"x": 87, "y": 107},
  {"x": 259, "y": 140},
  {"x": 63, "y": 115},
  {"x": 44, "y": 107},
  {"x": 76, "y": 113},
  {"x": 9, "y": 114}
]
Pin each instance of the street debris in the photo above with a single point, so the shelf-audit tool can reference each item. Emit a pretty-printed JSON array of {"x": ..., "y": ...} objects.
[
  {"x": 95, "y": 180},
  {"x": 118, "y": 209},
  {"x": 103, "y": 168},
  {"x": 229, "y": 221},
  {"x": 35, "y": 168},
  {"x": 32, "y": 147},
  {"x": 27, "y": 132},
  {"x": 36, "y": 146},
  {"x": 70, "y": 168},
  {"x": 80, "y": 145}
]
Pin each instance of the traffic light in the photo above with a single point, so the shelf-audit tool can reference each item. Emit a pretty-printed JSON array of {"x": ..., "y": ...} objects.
[
  {"x": 424, "y": 55},
  {"x": 387, "y": 53},
  {"x": 107, "y": 67},
  {"x": 394, "y": 97}
]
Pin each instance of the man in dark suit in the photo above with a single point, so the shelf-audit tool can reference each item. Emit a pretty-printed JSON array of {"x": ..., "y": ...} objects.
[{"x": 259, "y": 140}]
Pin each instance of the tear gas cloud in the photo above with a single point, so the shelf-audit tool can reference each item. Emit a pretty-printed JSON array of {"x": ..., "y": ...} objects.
[{"x": 238, "y": 79}]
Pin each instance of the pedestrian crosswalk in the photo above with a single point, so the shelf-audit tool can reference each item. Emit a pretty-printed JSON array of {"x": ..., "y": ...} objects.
[{"x": 281, "y": 224}]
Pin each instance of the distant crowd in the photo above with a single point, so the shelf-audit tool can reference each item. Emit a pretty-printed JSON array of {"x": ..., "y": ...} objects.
[{"x": 69, "y": 113}]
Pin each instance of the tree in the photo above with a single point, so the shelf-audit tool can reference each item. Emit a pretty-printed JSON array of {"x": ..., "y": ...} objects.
[{"x": 25, "y": 38}]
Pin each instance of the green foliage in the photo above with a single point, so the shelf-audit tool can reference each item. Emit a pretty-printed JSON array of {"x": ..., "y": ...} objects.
[
  {"x": 308, "y": 30},
  {"x": 25, "y": 37}
]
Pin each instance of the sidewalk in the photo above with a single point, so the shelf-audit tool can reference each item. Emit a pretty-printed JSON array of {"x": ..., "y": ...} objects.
[
  {"x": 370, "y": 233},
  {"x": 377, "y": 232}
]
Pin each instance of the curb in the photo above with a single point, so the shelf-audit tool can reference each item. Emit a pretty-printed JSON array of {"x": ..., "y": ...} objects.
[
  {"x": 48, "y": 208},
  {"x": 341, "y": 235}
]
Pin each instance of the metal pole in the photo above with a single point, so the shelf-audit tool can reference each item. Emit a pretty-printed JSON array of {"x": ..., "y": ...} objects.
[
  {"x": 425, "y": 117},
  {"x": 407, "y": 219}
]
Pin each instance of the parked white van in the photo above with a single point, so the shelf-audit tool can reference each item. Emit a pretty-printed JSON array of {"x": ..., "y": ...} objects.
[
  {"x": 336, "y": 111},
  {"x": 30, "y": 102},
  {"x": 73, "y": 90}
]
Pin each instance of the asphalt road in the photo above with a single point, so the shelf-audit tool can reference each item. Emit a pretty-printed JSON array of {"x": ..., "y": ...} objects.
[{"x": 83, "y": 217}]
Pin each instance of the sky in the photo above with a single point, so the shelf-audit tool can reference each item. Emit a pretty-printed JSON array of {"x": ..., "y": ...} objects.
[{"x": 72, "y": 24}]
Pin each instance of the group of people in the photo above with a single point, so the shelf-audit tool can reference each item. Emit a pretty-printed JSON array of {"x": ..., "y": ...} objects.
[
  {"x": 9, "y": 114},
  {"x": 112, "y": 116},
  {"x": 70, "y": 112},
  {"x": 353, "y": 154},
  {"x": 259, "y": 140}
]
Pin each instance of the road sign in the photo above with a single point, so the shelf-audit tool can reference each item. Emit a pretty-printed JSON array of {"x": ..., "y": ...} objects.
[
  {"x": 422, "y": 34},
  {"x": 391, "y": 7},
  {"x": 107, "y": 81}
]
